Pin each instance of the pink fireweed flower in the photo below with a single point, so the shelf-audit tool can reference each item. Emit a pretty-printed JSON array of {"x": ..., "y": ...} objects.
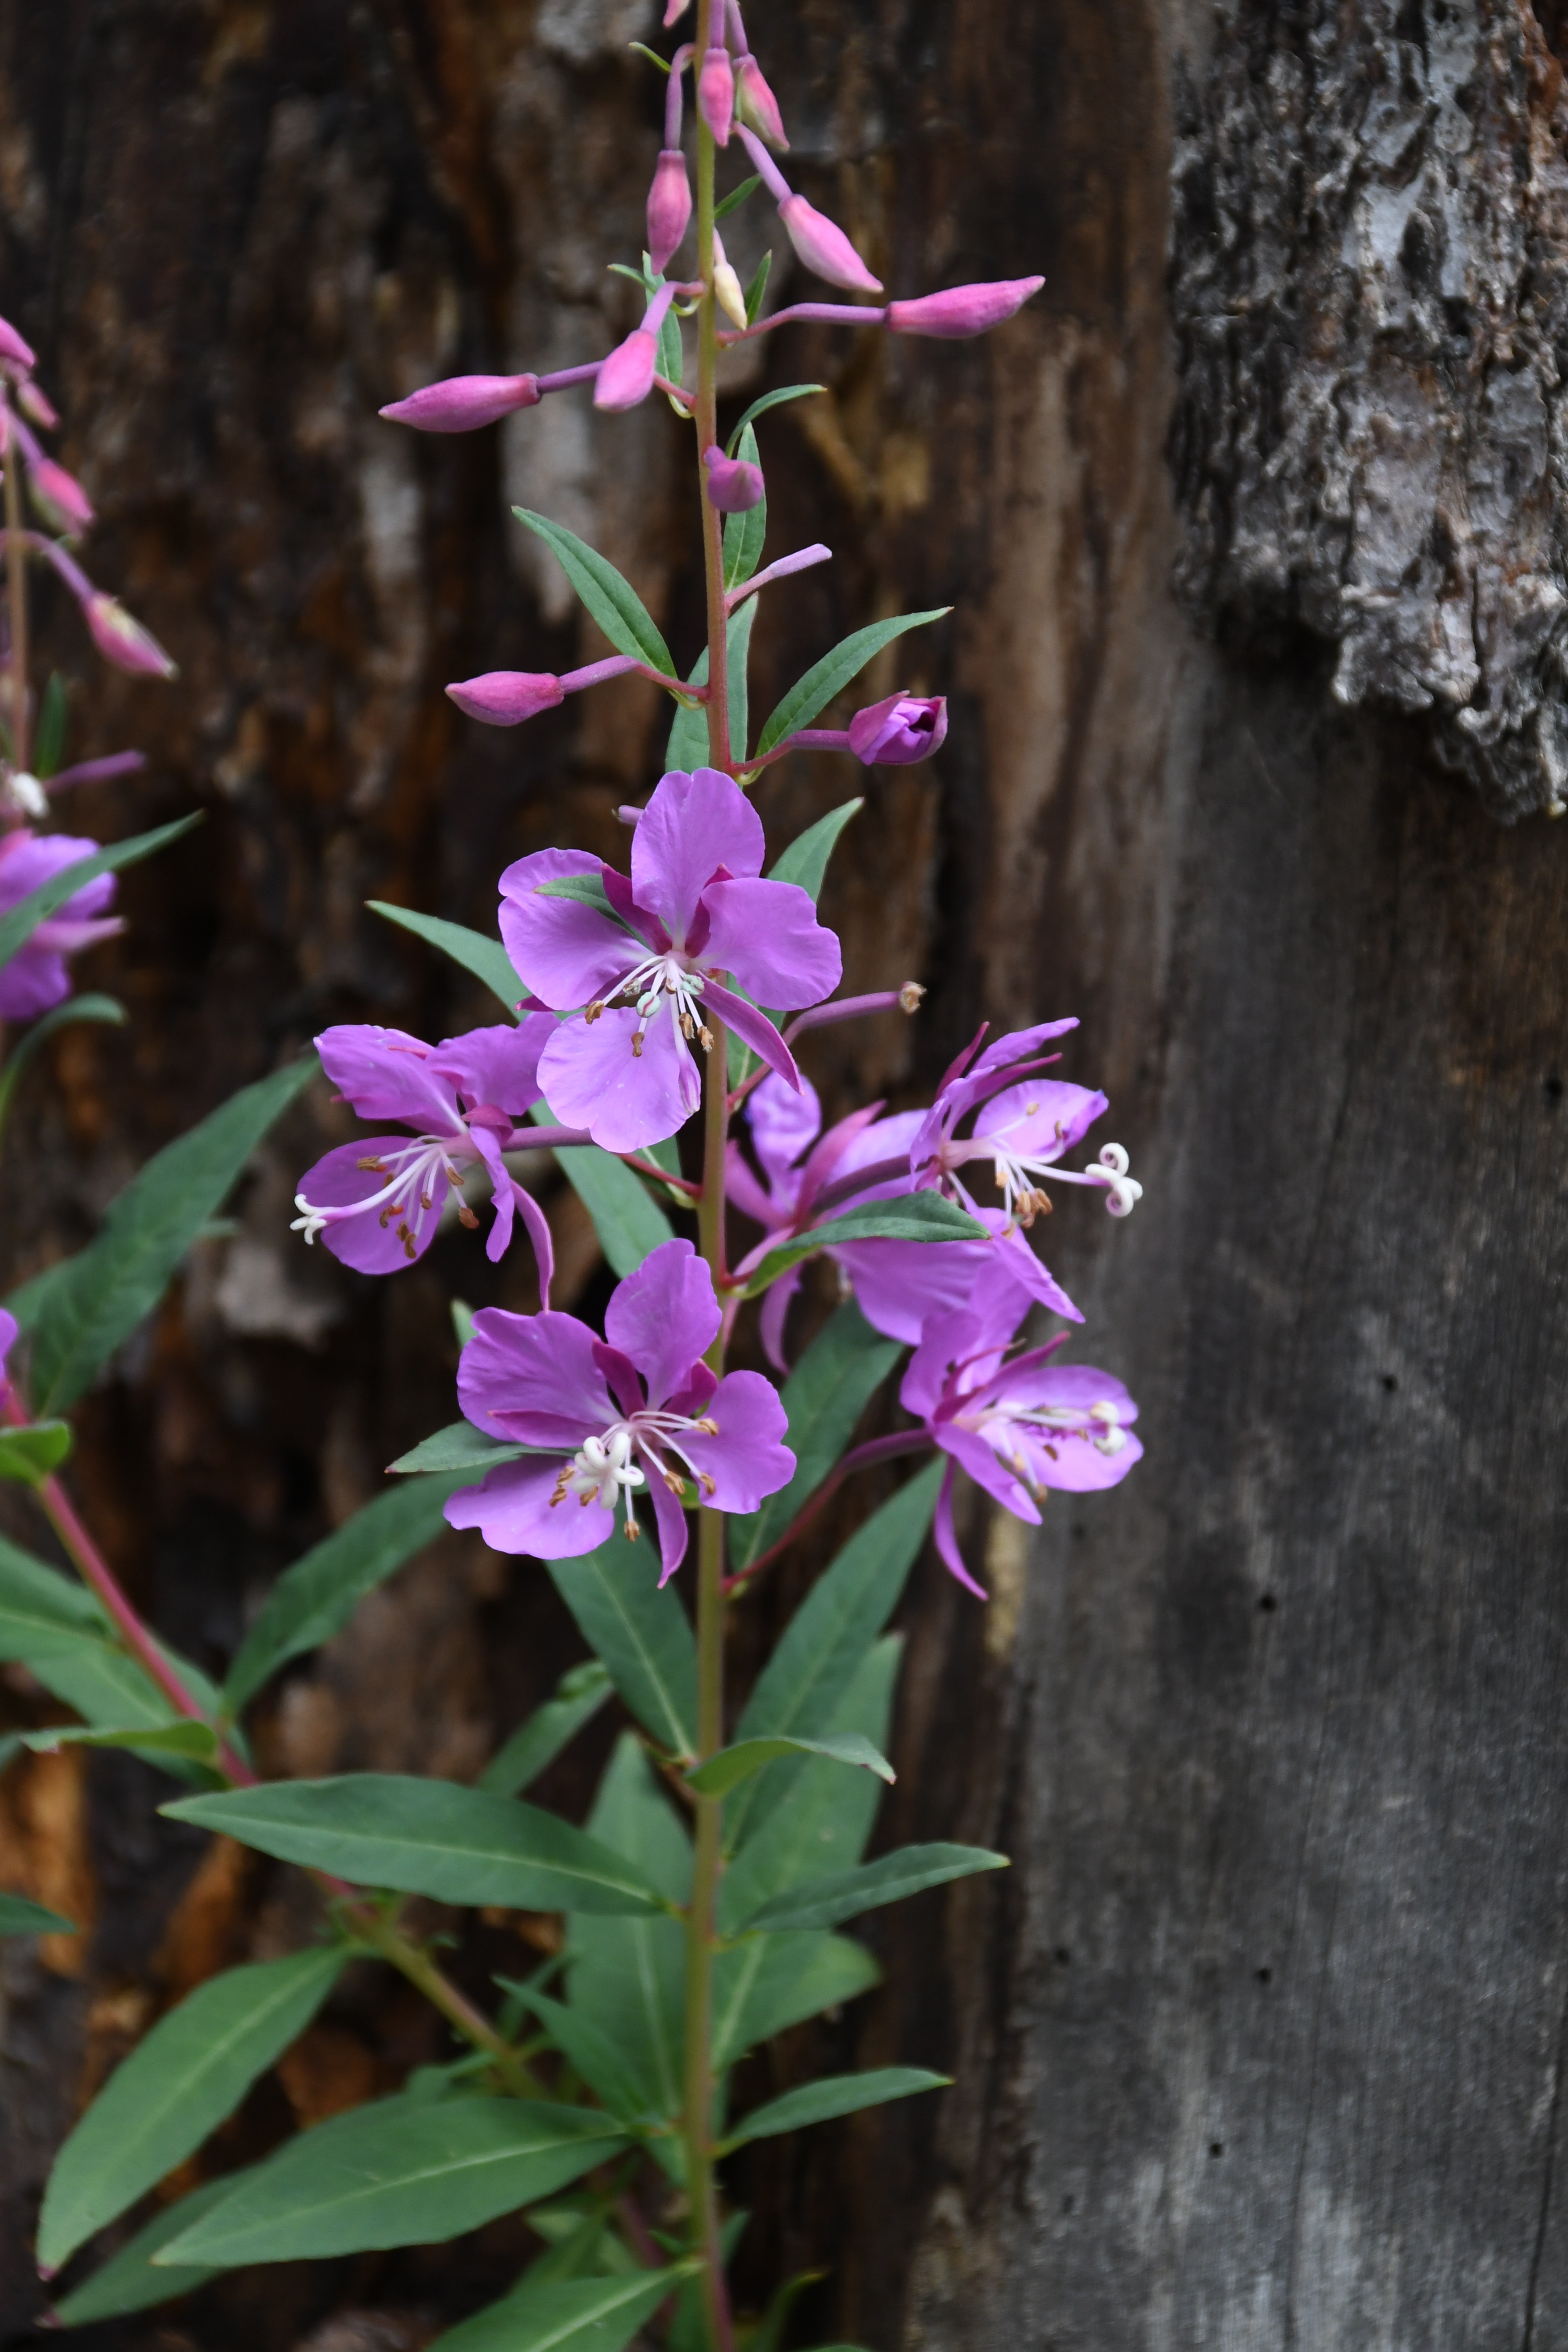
[
  {"x": 641, "y": 967},
  {"x": 1023, "y": 1125},
  {"x": 59, "y": 497},
  {"x": 626, "y": 376},
  {"x": 716, "y": 93},
  {"x": 754, "y": 101},
  {"x": 897, "y": 1285},
  {"x": 378, "y": 1202},
  {"x": 35, "y": 978},
  {"x": 733, "y": 484},
  {"x": 17, "y": 357},
  {"x": 122, "y": 641},
  {"x": 462, "y": 403},
  {"x": 820, "y": 243},
  {"x": 963, "y": 310},
  {"x": 636, "y": 1411},
  {"x": 1018, "y": 1426}
]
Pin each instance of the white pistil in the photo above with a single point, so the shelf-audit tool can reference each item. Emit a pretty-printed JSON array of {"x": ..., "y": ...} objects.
[
  {"x": 657, "y": 976},
  {"x": 415, "y": 1173},
  {"x": 1021, "y": 1174},
  {"x": 603, "y": 1468}
]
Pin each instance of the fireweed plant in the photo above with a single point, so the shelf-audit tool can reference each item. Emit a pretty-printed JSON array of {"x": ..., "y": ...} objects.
[{"x": 701, "y": 1903}]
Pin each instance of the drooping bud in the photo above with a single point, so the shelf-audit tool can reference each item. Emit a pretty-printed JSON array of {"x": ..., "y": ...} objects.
[
  {"x": 727, "y": 289},
  {"x": 17, "y": 355},
  {"x": 755, "y": 103},
  {"x": 461, "y": 403},
  {"x": 903, "y": 728},
  {"x": 123, "y": 641},
  {"x": 37, "y": 406},
  {"x": 59, "y": 497},
  {"x": 715, "y": 94},
  {"x": 668, "y": 207},
  {"x": 504, "y": 698},
  {"x": 626, "y": 376},
  {"x": 823, "y": 246},
  {"x": 733, "y": 484},
  {"x": 963, "y": 310},
  {"x": 675, "y": 10}
]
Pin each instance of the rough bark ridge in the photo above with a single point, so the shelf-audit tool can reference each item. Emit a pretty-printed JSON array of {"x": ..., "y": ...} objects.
[{"x": 1370, "y": 287}]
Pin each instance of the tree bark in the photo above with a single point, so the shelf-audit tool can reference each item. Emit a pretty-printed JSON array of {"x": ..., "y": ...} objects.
[{"x": 1261, "y": 2039}]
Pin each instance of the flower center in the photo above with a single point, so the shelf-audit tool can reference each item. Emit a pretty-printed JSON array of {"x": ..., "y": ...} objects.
[
  {"x": 668, "y": 976},
  {"x": 420, "y": 1175},
  {"x": 1022, "y": 1175},
  {"x": 1012, "y": 1430},
  {"x": 603, "y": 1468}
]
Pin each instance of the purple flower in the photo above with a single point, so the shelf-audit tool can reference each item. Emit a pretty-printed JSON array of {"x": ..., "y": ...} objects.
[
  {"x": 123, "y": 641},
  {"x": 1023, "y": 1125},
  {"x": 734, "y": 485},
  {"x": 636, "y": 1409},
  {"x": 963, "y": 310},
  {"x": 642, "y": 971},
  {"x": 505, "y": 698},
  {"x": 461, "y": 403},
  {"x": 35, "y": 978},
  {"x": 903, "y": 728},
  {"x": 378, "y": 1201},
  {"x": 899, "y": 1285},
  {"x": 1017, "y": 1427},
  {"x": 9, "y": 1326}
]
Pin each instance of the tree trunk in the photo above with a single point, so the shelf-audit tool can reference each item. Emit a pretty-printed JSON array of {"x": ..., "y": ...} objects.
[{"x": 1255, "y": 528}]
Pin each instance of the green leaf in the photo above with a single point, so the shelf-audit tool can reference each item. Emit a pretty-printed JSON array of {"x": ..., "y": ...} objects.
[
  {"x": 124, "y": 1271},
  {"x": 671, "y": 350},
  {"x": 579, "y": 1696},
  {"x": 182, "y": 1736},
  {"x": 20, "y": 1918},
  {"x": 75, "y": 1008},
  {"x": 627, "y": 1976},
  {"x": 643, "y": 1635},
  {"x": 687, "y": 745},
  {"x": 825, "y": 1643},
  {"x": 757, "y": 289},
  {"x": 805, "y": 862},
  {"x": 311, "y": 1599},
  {"x": 822, "y": 1398},
  {"x": 428, "y": 1837},
  {"x": 829, "y": 677},
  {"x": 916, "y": 1217},
  {"x": 20, "y": 921},
  {"x": 30, "y": 1454},
  {"x": 129, "y": 2282},
  {"x": 567, "y": 2314},
  {"x": 769, "y": 2333},
  {"x": 845, "y": 1894},
  {"x": 459, "y": 1446},
  {"x": 835, "y": 2095},
  {"x": 613, "y": 601},
  {"x": 485, "y": 958},
  {"x": 49, "y": 739},
  {"x": 743, "y": 537},
  {"x": 774, "y": 399},
  {"x": 630, "y": 1223},
  {"x": 769, "y": 1982},
  {"x": 590, "y": 2051},
  {"x": 397, "y": 2172},
  {"x": 178, "y": 2084},
  {"x": 730, "y": 1766},
  {"x": 736, "y": 197}
]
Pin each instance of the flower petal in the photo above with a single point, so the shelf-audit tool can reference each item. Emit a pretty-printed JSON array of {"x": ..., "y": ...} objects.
[
  {"x": 387, "y": 1074},
  {"x": 593, "y": 1079},
  {"x": 1041, "y": 1118},
  {"x": 776, "y": 1314},
  {"x": 947, "y": 1542},
  {"x": 670, "y": 1518},
  {"x": 783, "y": 1125},
  {"x": 499, "y": 1066},
  {"x": 748, "y": 1459},
  {"x": 370, "y": 1247},
  {"x": 566, "y": 954},
  {"x": 512, "y": 1509},
  {"x": 968, "y": 1447},
  {"x": 533, "y": 1377},
  {"x": 754, "y": 1029},
  {"x": 899, "y": 1285},
  {"x": 767, "y": 935},
  {"x": 664, "y": 1318},
  {"x": 692, "y": 825}
]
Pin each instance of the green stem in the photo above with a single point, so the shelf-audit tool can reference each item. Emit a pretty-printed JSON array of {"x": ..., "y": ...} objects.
[
  {"x": 16, "y": 600},
  {"x": 706, "y": 421}
]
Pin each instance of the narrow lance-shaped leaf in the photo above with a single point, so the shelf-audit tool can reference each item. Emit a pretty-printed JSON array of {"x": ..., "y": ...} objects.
[
  {"x": 588, "y": 2048},
  {"x": 730, "y": 1766},
  {"x": 129, "y": 2282},
  {"x": 813, "y": 692},
  {"x": 485, "y": 958},
  {"x": 178, "y": 2084},
  {"x": 183, "y": 1737},
  {"x": 822, "y": 1398},
  {"x": 49, "y": 736},
  {"x": 20, "y": 1918},
  {"x": 20, "y": 921},
  {"x": 643, "y": 1635},
  {"x": 774, "y": 399},
  {"x": 599, "y": 2315},
  {"x": 124, "y": 1271},
  {"x": 627, "y": 1976},
  {"x": 916, "y": 1217},
  {"x": 104, "y": 1009},
  {"x": 835, "y": 2095},
  {"x": 398, "y": 2172},
  {"x": 311, "y": 1599},
  {"x": 845, "y": 1894},
  {"x": 428, "y": 1837},
  {"x": 579, "y": 1696},
  {"x": 805, "y": 862},
  {"x": 613, "y": 601},
  {"x": 769, "y": 1982}
]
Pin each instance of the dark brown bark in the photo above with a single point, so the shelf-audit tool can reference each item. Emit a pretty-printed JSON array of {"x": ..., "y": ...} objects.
[{"x": 1288, "y": 1702}]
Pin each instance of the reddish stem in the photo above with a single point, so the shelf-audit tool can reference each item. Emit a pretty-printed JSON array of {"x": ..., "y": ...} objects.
[{"x": 875, "y": 1449}]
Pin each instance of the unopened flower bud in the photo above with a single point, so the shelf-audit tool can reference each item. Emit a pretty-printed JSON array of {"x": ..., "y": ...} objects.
[
  {"x": 823, "y": 246},
  {"x": 903, "y": 728},
  {"x": 675, "y": 10},
  {"x": 59, "y": 497},
  {"x": 668, "y": 207},
  {"x": 963, "y": 310},
  {"x": 36, "y": 407},
  {"x": 715, "y": 94},
  {"x": 756, "y": 105},
  {"x": 626, "y": 376},
  {"x": 17, "y": 355},
  {"x": 123, "y": 641},
  {"x": 504, "y": 698},
  {"x": 733, "y": 484},
  {"x": 461, "y": 403},
  {"x": 727, "y": 289}
]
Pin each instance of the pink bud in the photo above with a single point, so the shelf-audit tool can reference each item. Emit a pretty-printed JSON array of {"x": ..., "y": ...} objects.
[
  {"x": 504, "y": 698},
  {"x": 461, "y": 403},
  {"x": 626, "y": 376},
  {"x": 122, "y": 641},
  {"x": 675, "y": 10},
  {"x": 733, "y": 484},
  {"x": 668, "y": 206},
  {"x": 34, "y": 405},
  {"x": 963, "y": 310},
  {"x": 15, "y": 353},
  {"x": 715, "y": 94},
  {"x": 757, "y": 105},
  {"x": 823, "y": 246},
  {"x": 60, "y": 498},
  {"x": 905, "y": 728}
]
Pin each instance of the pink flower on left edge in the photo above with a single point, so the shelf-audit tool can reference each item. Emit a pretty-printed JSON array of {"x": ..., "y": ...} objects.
[
  {"x": 378, "y": 1202},
  {"x": 35, "y": 978},
  {"x": 1017, "y": 1426},
  {"x": 640, "y": 976},
  {"x": 637, "y": 1410}
]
